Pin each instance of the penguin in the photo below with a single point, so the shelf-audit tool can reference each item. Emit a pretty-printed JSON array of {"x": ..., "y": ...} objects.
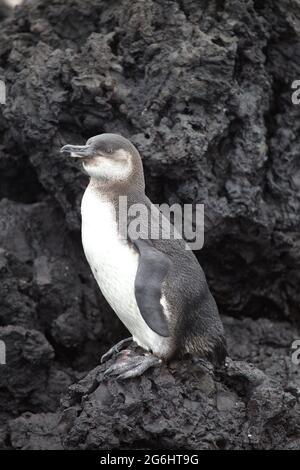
[{"x": 155, "y": 285}]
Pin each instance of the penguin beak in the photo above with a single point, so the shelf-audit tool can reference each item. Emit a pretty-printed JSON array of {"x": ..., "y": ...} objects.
[{"x": 78, "y": 151}]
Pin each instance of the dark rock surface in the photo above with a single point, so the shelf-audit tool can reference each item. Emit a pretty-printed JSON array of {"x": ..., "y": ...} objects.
[
  {"x": 182, "y": 407},
  {"x": 204, "y": 90},
  {"x": 5, "y": 9}
]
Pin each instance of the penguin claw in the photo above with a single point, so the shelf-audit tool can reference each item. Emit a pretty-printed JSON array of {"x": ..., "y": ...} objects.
[
  {"x": 121, "y": 365},
  {"x": 136, "y": 371},
  {"x": 111, "y": 370},
  {"x": 115, "y": 349},
  {"x": 132, "y": 367}
]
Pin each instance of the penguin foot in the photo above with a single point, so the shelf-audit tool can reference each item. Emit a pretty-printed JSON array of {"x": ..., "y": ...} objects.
[
  {"x": 115, "y": 349},
  {"x": 129, "y": 365}
]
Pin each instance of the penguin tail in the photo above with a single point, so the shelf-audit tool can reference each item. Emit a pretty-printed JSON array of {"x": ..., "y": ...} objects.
[
  {"x": 211, "y": 348},
  {"x": 219, "y": 352}
]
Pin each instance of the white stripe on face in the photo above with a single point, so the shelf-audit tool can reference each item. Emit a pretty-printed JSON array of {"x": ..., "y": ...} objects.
[{"x": 115, "y": 167}]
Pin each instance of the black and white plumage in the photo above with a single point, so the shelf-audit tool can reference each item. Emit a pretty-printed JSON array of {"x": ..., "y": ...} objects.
[{"x": 155, "y": 286}]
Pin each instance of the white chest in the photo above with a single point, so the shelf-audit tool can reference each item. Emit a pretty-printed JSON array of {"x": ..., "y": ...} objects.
[{"x": 114, "y": 264}]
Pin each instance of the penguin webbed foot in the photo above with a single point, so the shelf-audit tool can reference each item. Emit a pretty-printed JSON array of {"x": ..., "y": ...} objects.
[
  {"x": 130, "y": 365},
  {"x": 115, "y": 349}
]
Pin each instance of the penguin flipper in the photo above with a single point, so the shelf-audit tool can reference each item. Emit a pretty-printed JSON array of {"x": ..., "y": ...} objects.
[{"x": 152, "y": 269}]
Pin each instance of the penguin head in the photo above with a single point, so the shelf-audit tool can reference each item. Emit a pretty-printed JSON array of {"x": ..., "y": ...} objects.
[{"x": 109, "y": 158}]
